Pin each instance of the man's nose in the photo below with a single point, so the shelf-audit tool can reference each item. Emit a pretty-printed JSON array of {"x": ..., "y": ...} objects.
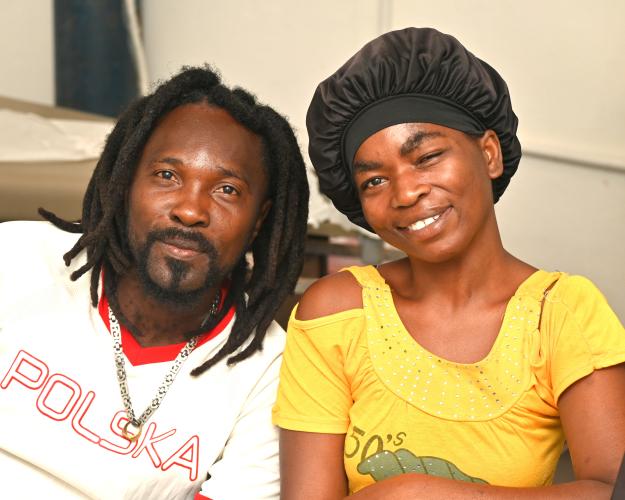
[{"x": 191, "y": 207}]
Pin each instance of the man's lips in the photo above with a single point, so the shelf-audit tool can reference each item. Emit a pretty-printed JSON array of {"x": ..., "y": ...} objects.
[
  {"x": 182, "y": 243},
  {"x": 181, "y": 248}
]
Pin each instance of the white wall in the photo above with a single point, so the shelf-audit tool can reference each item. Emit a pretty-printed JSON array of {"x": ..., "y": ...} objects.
[
  {"x": 27, "y": 50},
  {"x": 278, "y": 49},
  {"x": 564, "y": 62},
  {"x": 568, "y": 218}
]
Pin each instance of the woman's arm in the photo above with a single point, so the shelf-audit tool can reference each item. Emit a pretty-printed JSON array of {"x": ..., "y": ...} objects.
[
  {"x": 311, "y": 463},
  {"x": 311, "y": 466},
  {"x": 593, "y": 416},
  {"x": 592, "y": 411}
]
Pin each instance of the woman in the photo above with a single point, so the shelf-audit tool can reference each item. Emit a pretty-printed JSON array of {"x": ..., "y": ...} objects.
[{"x": 460, "y": 370}]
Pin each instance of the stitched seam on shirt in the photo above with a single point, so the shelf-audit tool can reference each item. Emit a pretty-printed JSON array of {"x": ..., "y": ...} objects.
[
  {"x": 582, "y": 371},
  {"x": 571, "y": 312},
  {"x": 286, "y": 419},
  {"x": 591, "y": 355},
  {"x": 309, "y": 324}
]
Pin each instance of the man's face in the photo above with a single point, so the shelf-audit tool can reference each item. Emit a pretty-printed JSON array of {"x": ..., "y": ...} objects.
[{"x": 197, "y": 200}]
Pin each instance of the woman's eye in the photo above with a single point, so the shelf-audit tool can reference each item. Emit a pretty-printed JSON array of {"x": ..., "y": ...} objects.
[
  {"x": 373, "y": 182},
  {"x": 430, "y": 156}
]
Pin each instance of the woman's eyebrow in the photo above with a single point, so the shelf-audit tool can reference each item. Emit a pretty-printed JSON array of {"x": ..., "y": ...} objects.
[
  {"x": 365, "y": 166},
  {"x": 409, "y": 145},
  {"x": 415, "y": 140}
]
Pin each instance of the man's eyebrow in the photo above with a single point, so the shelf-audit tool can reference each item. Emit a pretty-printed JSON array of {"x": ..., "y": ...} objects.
[
  {"x": 231, "y": 173},
  {"x": 169, "y": 160},
  {"x": 365, "y": 166},
  {"x": 415, "y": 140}
]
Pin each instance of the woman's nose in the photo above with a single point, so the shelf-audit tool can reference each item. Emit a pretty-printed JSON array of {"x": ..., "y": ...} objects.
[{"x": 408, "y": 189}]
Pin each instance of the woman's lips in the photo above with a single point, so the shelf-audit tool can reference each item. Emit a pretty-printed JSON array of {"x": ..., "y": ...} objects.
[{"x": 426, "y": 226}]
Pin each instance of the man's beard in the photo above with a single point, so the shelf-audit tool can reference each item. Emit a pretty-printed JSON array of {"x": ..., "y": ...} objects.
[{"x": 171, "y": 293}]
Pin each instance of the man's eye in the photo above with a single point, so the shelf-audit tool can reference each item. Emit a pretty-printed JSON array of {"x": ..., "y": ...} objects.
[
  {"x": 227, "y": 189},
  {"x": 165, "y": 174}
]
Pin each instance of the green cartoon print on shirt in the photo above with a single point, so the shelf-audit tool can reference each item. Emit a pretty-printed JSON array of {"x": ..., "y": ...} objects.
[{"x": 387, "y": 464}]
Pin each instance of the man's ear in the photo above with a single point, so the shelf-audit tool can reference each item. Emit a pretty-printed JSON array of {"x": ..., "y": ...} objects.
[
  {"x": 491, "y": 149},
  {"x": 262, "y": 215}
]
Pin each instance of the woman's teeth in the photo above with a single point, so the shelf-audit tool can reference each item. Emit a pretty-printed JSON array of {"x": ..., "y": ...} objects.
[{"x": 420, "y": 224}]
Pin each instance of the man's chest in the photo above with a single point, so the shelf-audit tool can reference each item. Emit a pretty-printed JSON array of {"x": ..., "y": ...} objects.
[{"x": 62, "y": 413}]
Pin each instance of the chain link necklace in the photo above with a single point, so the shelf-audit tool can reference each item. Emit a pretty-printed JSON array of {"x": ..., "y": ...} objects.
[{"x": 132, "y": 430}]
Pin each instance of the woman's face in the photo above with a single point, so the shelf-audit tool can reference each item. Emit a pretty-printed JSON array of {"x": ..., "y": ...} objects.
[{"x": 426, "y": 189}]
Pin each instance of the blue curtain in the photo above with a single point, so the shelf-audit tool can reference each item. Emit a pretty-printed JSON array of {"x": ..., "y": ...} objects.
[{"x": 94, "y": 69}]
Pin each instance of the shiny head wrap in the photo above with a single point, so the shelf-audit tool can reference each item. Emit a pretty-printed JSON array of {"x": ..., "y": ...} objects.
[{"x": 410, "y": 75}]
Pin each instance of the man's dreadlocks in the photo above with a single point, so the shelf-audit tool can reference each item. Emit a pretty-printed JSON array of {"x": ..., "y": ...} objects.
[{"x": 279, "y": 246}]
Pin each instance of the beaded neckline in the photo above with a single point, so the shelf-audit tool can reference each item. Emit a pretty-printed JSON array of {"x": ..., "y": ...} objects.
[{"x": 447, "y": 389}]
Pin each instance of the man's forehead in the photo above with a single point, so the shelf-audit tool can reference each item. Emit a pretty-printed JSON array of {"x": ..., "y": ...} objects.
[
  {"x": 202, "y": 135},
  {"x": 195, "y": 124}
]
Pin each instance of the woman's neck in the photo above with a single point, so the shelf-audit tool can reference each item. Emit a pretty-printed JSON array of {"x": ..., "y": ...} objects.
[{"x": 484, "y": 268}]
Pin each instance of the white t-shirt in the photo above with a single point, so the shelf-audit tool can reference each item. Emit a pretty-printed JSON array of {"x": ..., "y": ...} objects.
[{"x": 61, "y": 412}]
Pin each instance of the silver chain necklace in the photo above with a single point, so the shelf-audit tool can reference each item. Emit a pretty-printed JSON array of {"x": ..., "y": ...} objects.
[{"x": 132, "y": 430}]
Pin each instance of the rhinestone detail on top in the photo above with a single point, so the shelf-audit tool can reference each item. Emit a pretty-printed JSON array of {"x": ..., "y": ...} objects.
[{"x": 443, "y": 388}]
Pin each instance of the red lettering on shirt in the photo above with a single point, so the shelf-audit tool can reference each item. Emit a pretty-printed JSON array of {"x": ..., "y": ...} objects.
[
  {"x": 56, "y": 388},
  {"x": 190, "y": 448},
  {"x": 147, "y": 443},
  {"x": 77, "y": 424},
  {"x": 20, "y": 372},
  {"x": 60, "y": 396},
  {"x": 117, "y": 425}
]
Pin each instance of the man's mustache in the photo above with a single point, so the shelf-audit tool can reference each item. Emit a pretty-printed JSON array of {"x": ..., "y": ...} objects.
[{"x": 174, "y": 234}]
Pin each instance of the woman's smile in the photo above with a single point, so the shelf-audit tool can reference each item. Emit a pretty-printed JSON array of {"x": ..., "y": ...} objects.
[{"x": 424, "y": 221}]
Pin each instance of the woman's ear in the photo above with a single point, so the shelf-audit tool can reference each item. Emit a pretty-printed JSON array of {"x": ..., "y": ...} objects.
[{"x": 491, "y": 149}]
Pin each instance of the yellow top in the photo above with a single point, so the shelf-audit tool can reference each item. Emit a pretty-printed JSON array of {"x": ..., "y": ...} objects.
[{"x": 403, "y": 409}]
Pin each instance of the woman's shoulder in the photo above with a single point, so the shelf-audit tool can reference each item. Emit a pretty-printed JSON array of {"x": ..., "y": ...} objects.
[
  {"x": 332, "y": 294},
  {"x": 575, "y": 292},
  {"x": 579, "y": 297},
  {"x": 574, "y": 284}
]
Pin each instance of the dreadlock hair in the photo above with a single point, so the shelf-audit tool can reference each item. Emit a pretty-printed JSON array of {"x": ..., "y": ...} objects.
[{"x": 277, "y": 250}]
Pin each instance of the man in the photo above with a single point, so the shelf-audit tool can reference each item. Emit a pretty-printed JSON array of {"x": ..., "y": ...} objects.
[{"x": 126, "y": 373}]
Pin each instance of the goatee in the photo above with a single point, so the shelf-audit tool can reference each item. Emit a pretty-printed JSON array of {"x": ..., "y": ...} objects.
[{"x": 171, "y": 293}]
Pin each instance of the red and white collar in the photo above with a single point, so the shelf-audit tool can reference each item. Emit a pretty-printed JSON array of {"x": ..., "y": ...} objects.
[{"x": 138, "y": 355}]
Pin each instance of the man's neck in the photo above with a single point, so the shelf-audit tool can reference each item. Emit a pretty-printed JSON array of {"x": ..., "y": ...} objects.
[{"x": 153, "y": 322}]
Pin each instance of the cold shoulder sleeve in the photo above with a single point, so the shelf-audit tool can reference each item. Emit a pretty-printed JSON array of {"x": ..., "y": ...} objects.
[
  {"x": 584, "y": 334},
  {"x": 314, "y": 394}
]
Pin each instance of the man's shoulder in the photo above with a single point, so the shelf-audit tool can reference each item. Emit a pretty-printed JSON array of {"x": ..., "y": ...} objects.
[
  {"x": 273, "y": 344},
  {"x": 37, "y": 235},
  {"x": 33, "y": 244}
]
